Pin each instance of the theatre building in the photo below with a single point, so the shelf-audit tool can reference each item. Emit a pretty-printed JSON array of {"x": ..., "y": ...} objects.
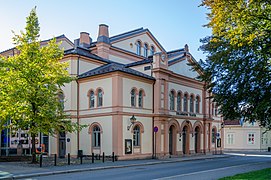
[{"x": 137, "y": 99}]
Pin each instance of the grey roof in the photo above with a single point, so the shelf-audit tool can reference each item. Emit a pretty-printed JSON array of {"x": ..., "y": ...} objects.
[
  {"x": 145, "y": 61},
  {"x": 126, "y": 34},
  {"x": 174, "y": 53},
  {"x": 85, "y": 52},
  {"x": 57, "y": 37},
  {"x": 134, "y": 32},
  {"x": 112, "y": 67},
  {"x": 7, "y": 50}
]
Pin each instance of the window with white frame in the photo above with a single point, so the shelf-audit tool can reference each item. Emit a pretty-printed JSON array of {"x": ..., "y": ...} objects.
[
  {"x": 133, "y": 98},
  {"x": 191, "y": 103},
  {"x": 91, "y": 99},
  {"x": 136, "y": 136},
  {"x": 96, "y": 136},
  {"x": 138, "y": 48},
  {"x": 100, "y": 98},
  {"x": 197, "y": 104},
  {"x": 216, "y": 110},
  {"x": 172, "y": 102},
  {"x": 179, "y": 101},
  {"x": 185, "y": 103},
  {"x": 61, "y": 99},
  {"x": 251, "y": 138},
  {"x": 140, "y": 99},
  {"x": 151, "y": 50},
  {"x": 146, "y": 50},
  {"x": 230, "y": 137},
  {"x": 264, "y": 139}
]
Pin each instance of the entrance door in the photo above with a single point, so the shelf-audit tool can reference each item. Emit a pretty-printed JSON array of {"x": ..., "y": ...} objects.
[
  {"x": 170, "y": 140},
  {"x": 184, "y": 139},
  {"x": 62, "y": 145},
  {"x": 197, "y": 140},
  {"x": 4, "y": 142}
]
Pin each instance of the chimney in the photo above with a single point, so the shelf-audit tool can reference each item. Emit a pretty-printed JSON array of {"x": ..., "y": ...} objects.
[
  {"x": 84, "y": 40},
  {"x": 103, "y": 34},
  {"x": 76, "y": 43},
  {"x": 186, "y": 48},
  {"x": 103, "y": 42}
]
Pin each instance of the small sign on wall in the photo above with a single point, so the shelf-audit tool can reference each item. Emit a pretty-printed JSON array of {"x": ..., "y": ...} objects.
[{"x": 128, "y": 146}]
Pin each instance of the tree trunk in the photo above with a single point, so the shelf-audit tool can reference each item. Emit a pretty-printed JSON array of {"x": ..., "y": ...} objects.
[{"x": 33, "y": 149}]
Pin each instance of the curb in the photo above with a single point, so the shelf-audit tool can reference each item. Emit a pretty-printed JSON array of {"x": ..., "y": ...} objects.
[{"x": 107, "y": 167}]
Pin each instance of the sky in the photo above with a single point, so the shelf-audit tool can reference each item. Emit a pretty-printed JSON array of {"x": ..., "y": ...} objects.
[{"x": 174, "y": 23}]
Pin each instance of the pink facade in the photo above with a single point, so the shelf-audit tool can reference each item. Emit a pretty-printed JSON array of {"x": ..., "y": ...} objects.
[{"x": 128, "y": 76}]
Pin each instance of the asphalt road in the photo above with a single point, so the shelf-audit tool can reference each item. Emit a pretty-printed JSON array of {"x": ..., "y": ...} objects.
[{"x": 198, "y": 170}]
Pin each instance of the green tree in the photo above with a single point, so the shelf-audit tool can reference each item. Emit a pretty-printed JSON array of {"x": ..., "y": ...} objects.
[
  {"x": 237, "y": 68},
  {"x": 31, "y": 84}
]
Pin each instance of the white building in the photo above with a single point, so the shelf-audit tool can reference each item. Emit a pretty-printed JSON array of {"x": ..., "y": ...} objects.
[{"x": 245, "y": 136}]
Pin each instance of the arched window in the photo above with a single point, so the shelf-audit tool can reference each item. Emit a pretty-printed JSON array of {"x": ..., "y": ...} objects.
[
  {"x": 172, "y": 100},
  {"x": 151, "y": 50},
  {"x": 138, "y": 48},
  {"x": 136, "y": 136},
  {"x": 91, "y": 99},
  {"x": 100, "y": 98},
  {"x": 140, "y": 99},
  {"x": 133, "y": 98},
  {"x": 179, "y": 101},
  {"x": 213, "y": 135},
  {"x": 96, "y": 136},
  {"x": 146, "y": 50},
  {"x": 213, "y": 108},
  {"x": 197, "y": 104},
  {"x": 191, "y": 103},
  {"x": 61, "y": 100},
  {"x": 185, "y": 103},
  {"x": 216, "y": 110}
]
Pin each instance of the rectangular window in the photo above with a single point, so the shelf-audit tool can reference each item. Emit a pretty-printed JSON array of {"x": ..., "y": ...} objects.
[
  {"x": 230, "y": 138},
  {"x": 147, "y": 68},
  {"x": 162, "y": 95},
  {"x": 251, "y": 138}
]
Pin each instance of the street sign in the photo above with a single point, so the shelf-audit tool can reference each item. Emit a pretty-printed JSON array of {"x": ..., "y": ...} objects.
[
  {"x": 155, "y": 129},
  {"x": 217, "y": 135}
]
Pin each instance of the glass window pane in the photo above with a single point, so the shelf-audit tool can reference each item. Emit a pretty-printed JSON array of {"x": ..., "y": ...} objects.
[{"x": 140, "y": 99}]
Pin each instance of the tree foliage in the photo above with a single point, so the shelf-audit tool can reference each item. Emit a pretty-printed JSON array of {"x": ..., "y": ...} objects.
[
  {"x": 237, "y": 68},
  {"x": 31, "y": 84}
]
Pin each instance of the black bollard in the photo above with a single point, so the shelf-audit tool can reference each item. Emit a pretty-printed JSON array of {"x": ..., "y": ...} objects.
[
  {"x": 99, "y": 157},
  {"x": 103, "y": 157},
  {"x": 55, "y": 159},
  {"x": 81, "y": 159},
  {"x": 69, "y": 159},
  {"x": 113, "y": 157},
  {"x": 40, "y": 160},
  {"x": 92, "y": 157}
]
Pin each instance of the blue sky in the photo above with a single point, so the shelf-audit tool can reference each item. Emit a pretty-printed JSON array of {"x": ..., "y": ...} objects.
[{"x": 173, "y": 22}]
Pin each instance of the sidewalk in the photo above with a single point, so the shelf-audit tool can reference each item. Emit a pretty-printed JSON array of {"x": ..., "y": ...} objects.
[
  {"x": 262, "y": 153},
  {"x": 18, "y": 171}
]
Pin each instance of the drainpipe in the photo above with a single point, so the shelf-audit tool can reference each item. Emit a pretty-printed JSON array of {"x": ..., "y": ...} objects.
[
  {"x": 153, "y": 155},
  {"x": 77, "y": 110}
]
